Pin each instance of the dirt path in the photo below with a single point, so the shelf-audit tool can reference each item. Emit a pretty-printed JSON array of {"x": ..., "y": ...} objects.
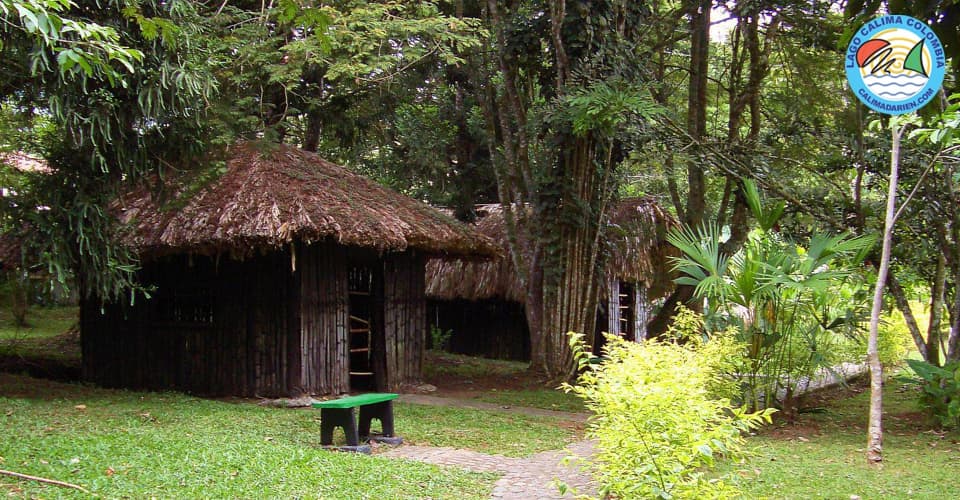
[{"x": 532, "y": 477}]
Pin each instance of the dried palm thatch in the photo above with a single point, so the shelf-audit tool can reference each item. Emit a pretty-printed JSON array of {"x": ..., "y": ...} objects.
[
  {"x": 449, "y": 279},
  {"x": 274, "y": 195},
  {"x": 638, "y": 253}
]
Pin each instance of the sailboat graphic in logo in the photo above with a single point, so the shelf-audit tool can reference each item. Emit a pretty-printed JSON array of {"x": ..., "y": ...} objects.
[
  {"x": 895, "y": 64},
  {"x": 888, "y": 73}
]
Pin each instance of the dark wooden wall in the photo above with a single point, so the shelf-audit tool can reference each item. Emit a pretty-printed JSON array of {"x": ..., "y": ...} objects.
[
  {"x": 266, "y": 326},
  {"x": 404, "y": 318},
  {"x": 212, "y": 326},
  {"x": 489, "y": 328},
  {"x": 324, "y": 356}
]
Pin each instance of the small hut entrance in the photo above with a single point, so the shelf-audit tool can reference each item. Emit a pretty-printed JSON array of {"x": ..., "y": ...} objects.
[{"x": 366, "y": 337}]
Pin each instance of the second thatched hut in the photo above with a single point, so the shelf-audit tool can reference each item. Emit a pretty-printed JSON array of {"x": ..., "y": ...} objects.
[{"x": 480, "y": 304}]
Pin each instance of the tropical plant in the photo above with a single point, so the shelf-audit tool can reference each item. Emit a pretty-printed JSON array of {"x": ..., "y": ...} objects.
[
  {"x": 940, "y": 389},
  {"x": 780, "y": 296}
]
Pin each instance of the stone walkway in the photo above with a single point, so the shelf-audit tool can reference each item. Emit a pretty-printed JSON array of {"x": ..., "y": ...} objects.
[{"x": 532, "y": 477}]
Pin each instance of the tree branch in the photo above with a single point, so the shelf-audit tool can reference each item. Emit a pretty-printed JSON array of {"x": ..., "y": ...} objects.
[{"x": 44, "y": 480}]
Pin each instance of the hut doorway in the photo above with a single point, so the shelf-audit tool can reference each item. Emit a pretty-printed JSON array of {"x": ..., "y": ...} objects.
[{"x": 366, "y": 339}]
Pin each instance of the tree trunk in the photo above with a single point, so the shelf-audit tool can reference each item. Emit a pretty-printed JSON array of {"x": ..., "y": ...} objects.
[
  {"x": 936, "y": 311},
  {"x": 19, "y": 299},
  {"x": 953, "y": 341},
  {"x": 571, "y": 290},
  {"x": 697, "y": 107},
  {"x": 900, "y": 297},
  {"x": 875, "y": 423}
]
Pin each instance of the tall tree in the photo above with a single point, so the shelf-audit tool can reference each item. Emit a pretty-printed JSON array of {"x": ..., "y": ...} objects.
[
  {"x": 556, "y": 129},
  {"x": 125, "y": 84}
]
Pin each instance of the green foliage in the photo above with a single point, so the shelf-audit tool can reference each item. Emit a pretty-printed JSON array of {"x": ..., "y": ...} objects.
[
  {"x": 940, "y": 390},
  {"x": 657, "y": 418},
  {"x": 768, "y": 215},
  {"x": 895, "y": 342},
  {"x": 604, "y": 107},
  {"x": 439, "y": 339},
  {"x": 69, "y": 48},
  {"x": 780, "y": 296},
  {"x": 124, "y": 95}
]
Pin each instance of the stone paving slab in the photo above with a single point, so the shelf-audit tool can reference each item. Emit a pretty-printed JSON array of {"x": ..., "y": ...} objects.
[
  {"x": 523, "y": 478},
  {"x": 530, "y": 478}
]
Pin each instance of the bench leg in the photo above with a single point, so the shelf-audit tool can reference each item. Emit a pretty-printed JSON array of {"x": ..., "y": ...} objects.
[
  {"x": 380, "y": 411},
  {"x": 331, "y": 418}
]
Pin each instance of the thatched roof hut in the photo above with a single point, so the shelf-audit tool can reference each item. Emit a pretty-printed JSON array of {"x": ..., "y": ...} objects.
[
  {"x": 273, "y": 195},
  {"x": 637, "y": 271},
  {"x": 638, "y": 253},
  {"x": 285, "y": 275}
]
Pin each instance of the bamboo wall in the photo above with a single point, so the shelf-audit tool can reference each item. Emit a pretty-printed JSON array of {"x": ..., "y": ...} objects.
[
  {"x": 324, "y": 356},
  {"x": 267, "y": 326},
  {"x": 404, "y": 318},
  {"x": 210, "y": 327}
]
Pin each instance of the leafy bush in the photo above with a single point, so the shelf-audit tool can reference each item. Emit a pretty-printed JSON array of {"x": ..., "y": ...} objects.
[
  {"x": 658, "y": 420},
  {"x": 439, "y": 339},
  {"x": 940, "y": 390},
  {"x": 894, "y": 340}
]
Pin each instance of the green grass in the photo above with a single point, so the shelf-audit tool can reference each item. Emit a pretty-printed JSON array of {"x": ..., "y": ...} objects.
[
  {"x": 465, "y": 367},
  {"x": 514, "y": 385},
  {"x": 43, "y": 322},
  {"x": 490, "y": 432},
  {"x": 169, "y": 445},
  {"x": 549, "y": 399},
  {"x": 823, "y": 455}
]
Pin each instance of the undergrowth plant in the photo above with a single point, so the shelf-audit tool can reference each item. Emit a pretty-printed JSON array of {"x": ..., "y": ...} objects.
[
  {"x": 661, "y": 417},
  {"x": 940, "y": 390}
]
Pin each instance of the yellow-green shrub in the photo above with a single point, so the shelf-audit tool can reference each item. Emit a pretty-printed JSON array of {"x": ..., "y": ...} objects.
[
  {"x": 894, "y": 338},
  {"x": 657, "y": 419}
]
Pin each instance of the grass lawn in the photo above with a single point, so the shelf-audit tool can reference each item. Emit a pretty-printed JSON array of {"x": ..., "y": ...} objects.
[
  {"x": 44, "y": 338},
  {"x": 43, "y": 322},
  {"x": 496, "y": 381},
  {"x": 549, "y": 399},
  {"x": 822, "y": 455},
  {"x": 138, "y": 445}
]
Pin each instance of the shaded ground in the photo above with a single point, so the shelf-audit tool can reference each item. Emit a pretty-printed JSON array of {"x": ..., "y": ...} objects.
[
  {"x": 55, "y": 358},
  {"x": 462, "y": 376}
]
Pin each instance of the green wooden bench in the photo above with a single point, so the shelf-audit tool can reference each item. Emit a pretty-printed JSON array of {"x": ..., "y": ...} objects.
[{"x": 342, "y": 413}]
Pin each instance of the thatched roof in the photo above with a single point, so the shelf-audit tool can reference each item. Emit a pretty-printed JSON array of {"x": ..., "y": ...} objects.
[
  {"x": 272, "y": 195},
  {"x": 638, "y": 253},
  {"x": 449, "y": 279}
]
